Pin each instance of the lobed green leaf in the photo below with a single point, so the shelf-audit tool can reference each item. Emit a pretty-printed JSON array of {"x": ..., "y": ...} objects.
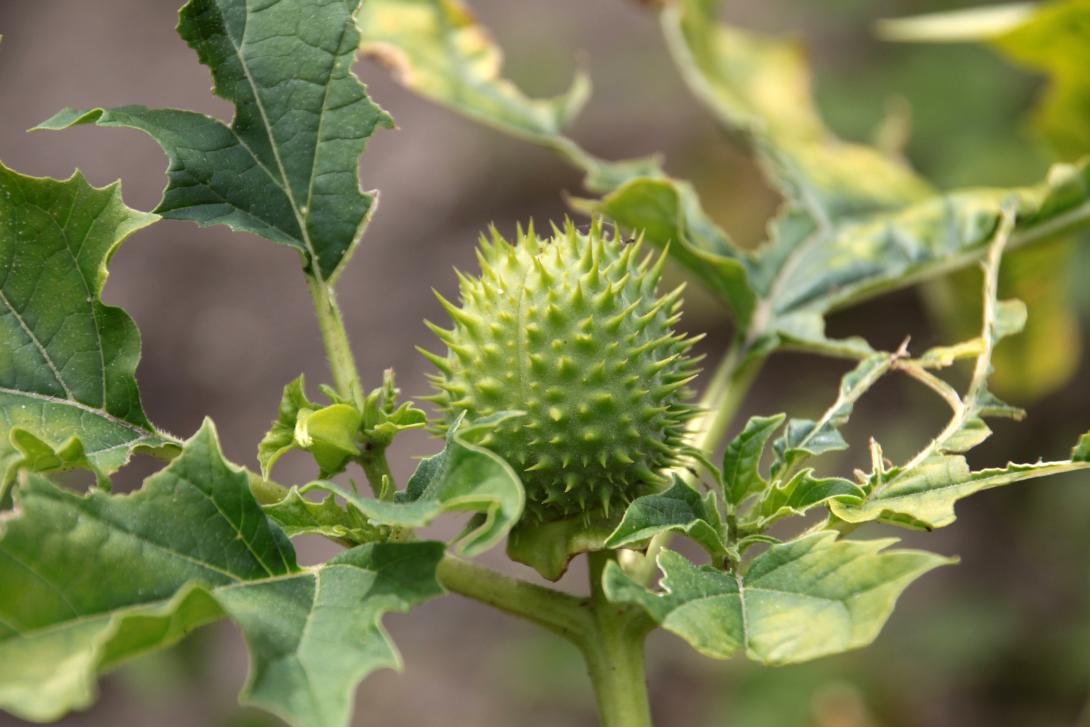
[
  {"x": 797, "y": 601},
  {"x": 68, "y": 394},
  {"x": 679, "y": 509},
  {"x": 94, "y": 580},
  {"x": 286, "y": 167}
]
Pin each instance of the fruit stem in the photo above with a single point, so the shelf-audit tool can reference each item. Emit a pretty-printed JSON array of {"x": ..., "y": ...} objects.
[
  {"x": 342, "y": 364},
  {"x": 558, "y": 612},
  {"x": 614, "y": 654},
  {"x": 379, "y": 476}
]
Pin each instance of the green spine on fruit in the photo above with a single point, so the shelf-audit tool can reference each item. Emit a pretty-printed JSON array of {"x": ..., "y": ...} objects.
[{"x": 572, "y": 332}]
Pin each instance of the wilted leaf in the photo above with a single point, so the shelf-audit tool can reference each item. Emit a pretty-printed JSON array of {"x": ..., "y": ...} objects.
[
  {"x": 760, "y": 86},
  {"x": 923, "y": 497},
  {"x": 797, "y": 601},
  {"x": 801, "y": 493},
  {"x": 437, "y": 49}
]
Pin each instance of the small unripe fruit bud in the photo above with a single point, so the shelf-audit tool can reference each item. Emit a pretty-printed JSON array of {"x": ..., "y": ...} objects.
[{"x": 570, "y": 331}]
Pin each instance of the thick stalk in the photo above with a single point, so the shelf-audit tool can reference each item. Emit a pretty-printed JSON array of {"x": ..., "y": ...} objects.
[
  {"x": 558, "y": 612},
  {"x": 377, "y": 468},
  {"x": 614, "y": 655},
  {"x": 342, "y": 364}
]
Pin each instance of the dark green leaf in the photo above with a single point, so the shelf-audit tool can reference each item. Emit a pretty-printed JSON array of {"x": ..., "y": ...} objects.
[
  {"x": 679, "y": 509},
  {"x": 286, "y": 167},
  {"x": 67, "y": 361},
  {"x": 797, "y": 601},
  {"x": 296, "y": 515}
]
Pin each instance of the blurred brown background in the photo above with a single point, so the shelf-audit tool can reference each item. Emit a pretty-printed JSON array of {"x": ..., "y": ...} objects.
[{"x": 1002, "y": 639}]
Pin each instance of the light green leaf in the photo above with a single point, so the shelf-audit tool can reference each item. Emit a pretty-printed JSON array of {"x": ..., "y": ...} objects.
[
  {"x": 1081, "y": 452},
  {"x": 38, "y": 456},
  {"x": 334, "y": 434},
  {"x": 464, "y": 477},
  {"x": 94, "y": 580},
  {"x": 797, "y": 601},
  {"x": 286, "y": 168},
  {"x": 384, "y": 417},
  {"x": 802, "y": 492},
  {"x": 549, "y": 547},
  {"x": 1051, "y": 37},
  {"x": 669, "y": 214},
  {"x": 760, "y": 86},
  {"x": 67, "y": 361},
  {"x": 956, "y": 26},
  {"x": 679, "y": 509},
  {"x": 437, "y": 49},
  {"x": 330, "y": 434},
  {"x": 923, "y": 497},
  {"x": 804, "y": 438},
  {"x": 742, "y": 458},
  {"x": 280, "y": 439}
]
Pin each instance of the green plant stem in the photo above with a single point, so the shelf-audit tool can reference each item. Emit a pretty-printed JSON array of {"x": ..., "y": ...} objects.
[
  {"x": 615, "y": 655},
  {"x": 342, "y": 364},
  {"x": 558, "y": 612},
  {"x": 379, "y": 475}
]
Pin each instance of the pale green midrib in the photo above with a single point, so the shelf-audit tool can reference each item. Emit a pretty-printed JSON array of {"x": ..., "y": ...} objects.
[
  {"x": 135, "y": 428},
  {"x": 37, "y": 344},
  {"x": 92, "y": 296},
  {"x": 1042, "y": 230},
  {"x": 300, "y": 220},
  {"x": 980, "y": 477},
  {"x": 40, "y": 578},
  {"x": 321, "y": 121},
  {"x": 22, "y": 323},
  {"x": 236, "y": 527}
]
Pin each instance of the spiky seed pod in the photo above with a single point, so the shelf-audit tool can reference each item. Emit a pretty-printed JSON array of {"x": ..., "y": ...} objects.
[{"x": 571, "y": 331}]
